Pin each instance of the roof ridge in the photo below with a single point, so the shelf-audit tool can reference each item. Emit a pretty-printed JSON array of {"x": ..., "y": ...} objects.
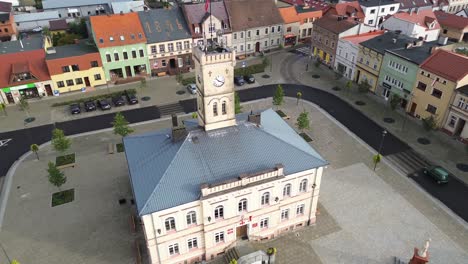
[{"x": 162, "y": 177}]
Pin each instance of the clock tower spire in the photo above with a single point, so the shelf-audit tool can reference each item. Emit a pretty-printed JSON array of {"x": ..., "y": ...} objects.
[{"x": 214, "y": 74}]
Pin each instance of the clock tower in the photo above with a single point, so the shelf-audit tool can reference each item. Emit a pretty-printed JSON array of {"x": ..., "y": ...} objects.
[{"x": 214, "y": 74}]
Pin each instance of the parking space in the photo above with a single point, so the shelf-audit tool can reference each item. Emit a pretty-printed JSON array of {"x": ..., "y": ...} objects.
[{"x": 63, "y": 113}]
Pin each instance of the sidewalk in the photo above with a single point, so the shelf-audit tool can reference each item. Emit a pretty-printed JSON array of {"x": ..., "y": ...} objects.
[{"x": 443, "y": 150}]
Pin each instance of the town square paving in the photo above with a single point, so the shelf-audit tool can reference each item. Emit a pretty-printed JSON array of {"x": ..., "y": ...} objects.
[{"x": 365, "y": 217}]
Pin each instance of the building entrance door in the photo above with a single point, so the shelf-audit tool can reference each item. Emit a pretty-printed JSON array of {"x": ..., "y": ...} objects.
[
  {"x": 128, "y": 71},
  {"x": 48, "y": 90},
  {"x": 241, "y": 231},
  {"x": 86, "y": 81},
  {"x": 413, "y": 108},
  {"x": 257, "y": 47},
  {"x": 459, "y": 128}
]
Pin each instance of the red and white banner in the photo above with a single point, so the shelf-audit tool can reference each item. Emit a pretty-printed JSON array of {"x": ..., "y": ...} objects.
[{"x": 207, "y": 5}]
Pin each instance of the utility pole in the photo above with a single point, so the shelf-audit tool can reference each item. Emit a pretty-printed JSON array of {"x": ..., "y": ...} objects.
[{"x": 384, "y": 133}]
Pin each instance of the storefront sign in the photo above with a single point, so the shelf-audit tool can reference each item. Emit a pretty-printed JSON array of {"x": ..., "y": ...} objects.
[
  {"x": 83, "y": 90},
  {"x": 56, "y": 92},
  {"x": 19, "y": 87},
  {"x": 386, "y": 85}
]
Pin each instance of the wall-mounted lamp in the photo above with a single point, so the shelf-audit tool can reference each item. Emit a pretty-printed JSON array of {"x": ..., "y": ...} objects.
[
  {"x": 313, "y": 186},
  {"x": 209, "y": 218},
  {"x": 159, "y": 231},
  {"x": 276, "y": 199}
]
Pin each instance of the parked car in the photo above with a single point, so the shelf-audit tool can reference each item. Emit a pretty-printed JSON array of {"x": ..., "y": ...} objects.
[
  {"x": 238, "y": 80},
  {"x": 89, "y": 106},
  {"x": 118, "y": 101},
  {"x": 104, "y": 104},
  {"x": 131, "y": 97},
  {"x": 37, "y": 29},
  {"x": 438, "y": 173},
  {"x": 75, "y": 109},
  {"x": 249, "y": 78},
  {"x": 192, "y": 88}
]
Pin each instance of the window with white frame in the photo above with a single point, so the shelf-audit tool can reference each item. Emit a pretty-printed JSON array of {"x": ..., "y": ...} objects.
[
  {"x": 219, "y": 237},
  {"x": 234, "y": 36},
  {"x": 180, "y": 62},
  {"x": 248, "y": 34},
  {"x": 212, "y": 28},
  {"x": 300, "y": 209},
  {"x": 223, "y": 108},
  {"x": 192, "y": 243},
  {"x": 287, "y": 190},
  {"x": 264, "y": 223},
  {"x": 272, "y": 29},
  {"x": 179, "y": 45},
  {"x": 453, "y": 120},
  {"x": 191, "y": 218},
  {"x": 197, "y": 30},
  {"x": 461, "y": 102},
  {"x": 242, "y": 47},
  {"x": 285, "y": 214},
  {"x": 242, "y": 35},
  {"x": 266, "y": 30},
  {"x": 162, "y": 48},
  {"x": 170, "y": 47},
  {"x": 174, "y": 249},
  {"x": 242, "y": 206},
  {"x": 219, "y": 212},
  {"x": 170, "y": 224},
  {"x": 265, "y": 198},
  {"x": 215, "y": 109},
  {"x": 248, "y": 46},
  {"x": 303, "y": 185},
  {"x": 153, "y": 49},
  {"x": 187, "y": 44}
]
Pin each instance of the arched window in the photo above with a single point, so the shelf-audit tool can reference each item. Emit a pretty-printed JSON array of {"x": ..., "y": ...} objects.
[
  {"x": 170, "y": 223},
  {"x": 303, "y": 185},
  {"x": 265, "y": 198},
  {"x": 191, "y": 218},
  {"x": 223, "y": 108},
  {"x": 215, "y": 109},
  {"x": 287, "y": 190},
  {"x": 219, "y": 212},
  {"x": 242, "y": 205}
]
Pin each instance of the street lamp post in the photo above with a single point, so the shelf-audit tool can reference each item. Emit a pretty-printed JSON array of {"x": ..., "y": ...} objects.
[{"x": 384, "y": 133}]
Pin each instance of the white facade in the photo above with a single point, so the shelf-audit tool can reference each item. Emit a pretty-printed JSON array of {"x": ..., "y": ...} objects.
[
  {"x": 257, "y": 39},
  {"x": 213, "y": 231},
  {"x": 210, "y": 30},
  {"x": 346, "y": 57},
  {"x": 376, "y": 14},
  {"x": 456, "y": 5},
  {"x": 457, "y": 119},
  {"x": 414, "y": 30}
]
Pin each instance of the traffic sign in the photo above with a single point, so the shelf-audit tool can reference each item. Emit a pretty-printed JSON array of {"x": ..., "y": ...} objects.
[{"x": 244, "y": 64}]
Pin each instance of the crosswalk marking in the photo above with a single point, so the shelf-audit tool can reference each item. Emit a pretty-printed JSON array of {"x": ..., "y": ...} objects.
[
  {"x": 408, "y": 161},
  {"x": 304, "y": 50}
]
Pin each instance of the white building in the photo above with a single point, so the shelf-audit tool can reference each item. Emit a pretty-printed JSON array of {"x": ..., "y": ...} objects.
[
  {"x": 456, "y": 5},
  {"x": 347, "y": 53},
  {"x": 201, "y": 186},
  {"x": 375, "y": 11},
  {"x": 418, "y": 24}
]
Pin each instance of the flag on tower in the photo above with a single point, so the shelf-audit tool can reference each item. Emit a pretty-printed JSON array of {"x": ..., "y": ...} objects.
[{"x": 207, "y": 4}]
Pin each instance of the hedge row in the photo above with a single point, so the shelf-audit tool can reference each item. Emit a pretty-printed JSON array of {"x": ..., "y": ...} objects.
[
  {"x": 94, "y": 98},
  {"x": 188, "y": 80}
]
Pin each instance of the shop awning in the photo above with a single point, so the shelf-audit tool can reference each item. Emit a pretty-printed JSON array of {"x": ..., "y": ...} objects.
[{"x": 289, "y": 36}]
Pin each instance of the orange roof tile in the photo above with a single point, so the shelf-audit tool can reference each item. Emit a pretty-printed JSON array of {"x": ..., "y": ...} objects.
[
  {"x": 27, "y": 61},
  {"x": 447, "y": 64},
  {"x": 356, "y": 39},
  {"x": 347, "y": 8},
  {"x": 419, "y": 18},
  {"x": 289, "y": 14},
  {"x": 123, "y": 29},
  {"x": 451, "y": 20}
]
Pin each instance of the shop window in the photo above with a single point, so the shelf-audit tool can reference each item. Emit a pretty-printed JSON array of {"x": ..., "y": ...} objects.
[
  {"x": 70, "y": 83},
  {"x": 79, "y": 81},
  {"x": 97, "y": 77},
  {"x": 60, "y": 84}
]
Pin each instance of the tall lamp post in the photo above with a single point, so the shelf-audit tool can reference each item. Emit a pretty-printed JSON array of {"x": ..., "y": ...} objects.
[{"x": 384, "y": 133}]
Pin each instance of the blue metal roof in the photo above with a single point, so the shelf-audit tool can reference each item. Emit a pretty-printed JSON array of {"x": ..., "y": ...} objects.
[{"x": 165, "y": 174}]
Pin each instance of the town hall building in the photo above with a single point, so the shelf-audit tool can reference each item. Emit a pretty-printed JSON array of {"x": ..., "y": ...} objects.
[{"x": 204, "y": 184}]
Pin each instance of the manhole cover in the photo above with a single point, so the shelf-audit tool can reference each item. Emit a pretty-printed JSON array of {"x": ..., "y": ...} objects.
[
  {"x": 29, "y": 119},
  {"x": 424, "y": 141},
  {"x": 315, "y": 76},
  {"x": 145, "y": 98},
  {"x": 462, "y": 166},
  {"x": 180, "y": 92},
  {"x": 389, "y": 120},
  {"x": 336, "y": 88},
  {"x": 265, "y": 76},
  {"x": 360, "y": 103}
]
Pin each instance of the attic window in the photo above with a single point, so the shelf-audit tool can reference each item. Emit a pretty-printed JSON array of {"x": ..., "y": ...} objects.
[
  {"x": 101, "y": 40},
  {"x": 122, "y": 38},
  {"x": 111, "y": 39},
  {"x": 139, "y": 35},
  {"x": 132, "y": 36},
  {"x": 197, "y": 30}
]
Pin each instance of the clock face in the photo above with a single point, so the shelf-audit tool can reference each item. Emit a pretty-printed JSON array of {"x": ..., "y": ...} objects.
[{"x": 219, "y": 81}]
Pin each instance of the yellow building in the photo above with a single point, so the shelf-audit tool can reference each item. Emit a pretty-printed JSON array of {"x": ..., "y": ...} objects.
[
  {"x": 436, "y": 84},
  {"x": 74, "y": 67},
  {"x": 58, "y": 26}
]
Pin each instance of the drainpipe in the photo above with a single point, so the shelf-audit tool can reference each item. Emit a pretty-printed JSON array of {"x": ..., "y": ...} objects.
[{"x": 312, "y": 197}]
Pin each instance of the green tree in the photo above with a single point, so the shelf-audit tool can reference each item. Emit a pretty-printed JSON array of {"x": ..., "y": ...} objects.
[
  {"x": 56, "y": 177},
  {"x": 143, "y": 83},
  {"x": 298, "y": 96},
  {"x": 24, "y": 105},
  {"x": 303, "y": 121},
  {"x": 278, "y": 97},
  {"x": 79, "y": 28},
  {"x": 35, "y": 148},
  {"x": 265, "y": 62},
  {"x": 429, "y": 123},
  {"x": 15, "y": 262},
  {"x": 46, "y": 31},
  {"x": 395, "y": 101},
  {"x": 349, "y": 85},
  {"x": 3, "y": 107},
  {"x": 59, "y": 141},
  {"x": 67, "y": 39},
  {"x": 38, "y": 4},
  {"x": 121, "y": 125},
  {"x": 179, "y": 78},
  {"x": 376, "y": 159},
  {"x": 317, "y": 63},
  {"x": 194, "y": 115},
  {"x": 237, "y": 105},
  {"x": 364, "y": 86}
]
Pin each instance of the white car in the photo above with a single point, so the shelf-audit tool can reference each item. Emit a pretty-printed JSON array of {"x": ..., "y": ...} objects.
[
  {"x": 192, "y": 88},
  {"x": 37, "y": 29}
]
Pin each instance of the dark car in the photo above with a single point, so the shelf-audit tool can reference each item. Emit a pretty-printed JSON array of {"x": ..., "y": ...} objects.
[
  {"x": 118, "y": 101},
  {"x": 238, "y": 80},
  {"x": 249, "y": 78},
  {"x": 439, "y": 174},
  {"x": 75, "y": 109},
  {"x": 131, "y": 98},
  {"x": 104, "y": 104},
  {"x": 89, "y": 106}
]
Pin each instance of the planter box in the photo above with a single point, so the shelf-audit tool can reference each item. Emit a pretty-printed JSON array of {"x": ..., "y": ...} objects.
[
  {"x": 282, "y": 114},
  {"x": 65, "y": 161}
]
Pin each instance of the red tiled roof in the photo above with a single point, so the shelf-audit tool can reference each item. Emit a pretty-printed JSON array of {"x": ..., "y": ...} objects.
[
  {"x": 289, "y": 14},
  {"x": 419, "y": 18},
  {"x": 451, "y": 20},
  {"x": 448, "y": 65},
  {"x": 316, "y": 4},
  {"x": 33, "y": 61},
  {"x": 346, "y": 9},
  {"x": 356, "y": 39},
  {"x": 116, "y": 26},
  {"x": 334, "y": 24}
]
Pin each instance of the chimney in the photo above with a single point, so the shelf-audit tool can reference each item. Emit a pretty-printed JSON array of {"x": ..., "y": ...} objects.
[
  {"x": 254, "y": 118},
  {"x": 178, "y": 132}
]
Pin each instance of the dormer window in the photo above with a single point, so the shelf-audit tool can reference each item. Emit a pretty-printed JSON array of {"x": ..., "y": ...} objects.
[
  {"x": 101, "y": 40},
  {"x": 225, "y": 26},
  {"x": 122, "y": 38},
  {"x": 132, "y": 36},
  {"x": 197, "y": 30},
  {"x": 140, "y": 35},
  {"x": 111, "y": 39}
]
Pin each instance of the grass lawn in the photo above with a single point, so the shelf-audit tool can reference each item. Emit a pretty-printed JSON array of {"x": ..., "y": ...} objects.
[
  {"x": 281, "y": 113},
  {"x": 305, "y": 137},
  {"x": 65, "y": 159},
  {"x": 63, "y": 197},
  {"x": 120, "y": 147}
]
